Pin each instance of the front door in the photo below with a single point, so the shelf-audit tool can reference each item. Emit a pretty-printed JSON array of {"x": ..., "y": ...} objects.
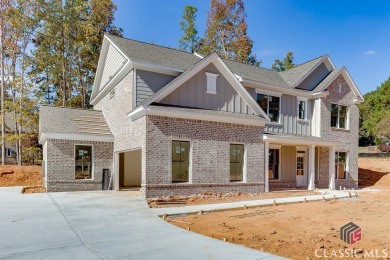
[{"x": 301, "y": 169}]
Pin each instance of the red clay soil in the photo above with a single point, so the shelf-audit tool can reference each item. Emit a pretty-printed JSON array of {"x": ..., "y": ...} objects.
[
  {"x": 29, "y": 176},
  {"x": 210, "y": 198},
  {"x": 298, "y": 231}
]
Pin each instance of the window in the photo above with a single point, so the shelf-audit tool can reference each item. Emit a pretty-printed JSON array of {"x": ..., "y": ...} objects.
[
  {"x": 236, "y": 162},
  {"x": 338, "y": 116},
  {"x": 180, "y": 161},
  {"x": 302, "y": 109},
  {"x": 273, "y": 164},
  {"x": 211, "y": 83},
  {"x": 8, "y": 152},
  {"x": 341, "y": 165},
  {"x": 83, "y": 162},
  {"x": 270, "y": 105}
]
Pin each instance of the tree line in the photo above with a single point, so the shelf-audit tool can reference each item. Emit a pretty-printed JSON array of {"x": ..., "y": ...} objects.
[{"x": 49, "y": 51}]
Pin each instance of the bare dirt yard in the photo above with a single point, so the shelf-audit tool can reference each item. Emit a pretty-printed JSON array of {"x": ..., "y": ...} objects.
[
  {"x": 209, "y": 198},
  {"x": 28, "y": 176},
  {"x": 299, "y": 231}
]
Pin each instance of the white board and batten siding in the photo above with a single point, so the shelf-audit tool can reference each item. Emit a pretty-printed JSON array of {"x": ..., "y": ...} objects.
[
  {"x": 112, "y": 65},
  {"x": 289, "y": 122},
  {"x": 194, "y": 94}
]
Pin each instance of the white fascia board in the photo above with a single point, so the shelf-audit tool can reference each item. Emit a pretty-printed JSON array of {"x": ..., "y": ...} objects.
[
  {"x": 198, "y": 55},
  {"x": 352, "y": 84},
  {"x": 310, "y": 71},
  {"x": 98, "y": 73},
  {"x": 290, "y": 140},
  {"x": 171, "y": 87},
  {"x": 282, "y": 90},
  {"x": 268, "y": 92},
  {"x": 137, "y": 113},
  {"x": 235, "y": 83},
  {"x": 165, "y": 112},
  {"x": 113, "y": 82},
  {"x": 76, "y": 137},
  {"x": 157, "y": 68},
  {"x": 343, "y": 71}
]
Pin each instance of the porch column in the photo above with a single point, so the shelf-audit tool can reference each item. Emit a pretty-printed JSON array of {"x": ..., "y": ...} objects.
[
  {"x": 311, "y": 185},
  {"x": 266, "y": 161},
  {"x": 332, "y": 174}
]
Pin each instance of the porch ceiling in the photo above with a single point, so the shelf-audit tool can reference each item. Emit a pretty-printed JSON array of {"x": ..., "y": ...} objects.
[{"x": 299, "y": 140}]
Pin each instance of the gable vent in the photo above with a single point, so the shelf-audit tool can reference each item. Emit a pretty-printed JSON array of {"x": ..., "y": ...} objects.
[{"x": 211, "y": 83}]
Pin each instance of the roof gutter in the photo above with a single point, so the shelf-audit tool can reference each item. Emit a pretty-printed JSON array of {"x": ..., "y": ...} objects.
[
  {"x": 195, "y": 115},
  {"x": 295, "y": 92}
]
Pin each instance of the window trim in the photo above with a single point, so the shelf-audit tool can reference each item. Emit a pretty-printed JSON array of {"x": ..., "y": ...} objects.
[
  {"x": 92, "y": 162},
  {"x": 244, "y": 166},
  {"x": 346, "y": 164},
  {"x": 279, "y": 148},
  {"x": 273, "y": 94},
  {"x": 189, "y": 162},
  {"x": 338, "y": 116},
  {"x": 302, "y": 99}
]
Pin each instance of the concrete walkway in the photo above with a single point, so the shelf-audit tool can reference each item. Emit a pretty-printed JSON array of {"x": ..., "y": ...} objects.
[
  {"x": 327, "y": 194},
  {"x": 99, "y": 225}
]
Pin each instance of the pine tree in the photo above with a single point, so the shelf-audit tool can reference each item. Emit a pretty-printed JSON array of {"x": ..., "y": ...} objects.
[
  {"x": 189, "y": 41},
  {"x": 226, "y": 32},
  {"x": 287, "y": 63}
]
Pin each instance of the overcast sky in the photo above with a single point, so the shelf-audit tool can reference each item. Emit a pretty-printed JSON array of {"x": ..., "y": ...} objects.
[{"x": 355, "y": 34}]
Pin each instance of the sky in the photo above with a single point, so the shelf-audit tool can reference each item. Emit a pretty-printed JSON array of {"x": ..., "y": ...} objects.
[{"x": 356, "y": 34}]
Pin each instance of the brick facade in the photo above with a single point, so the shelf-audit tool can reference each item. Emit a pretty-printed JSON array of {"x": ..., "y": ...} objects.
[
  {"x": 340, "y": 93},
  {"x": 60, "y": 165},
  {"x": 210, "y": 155}
]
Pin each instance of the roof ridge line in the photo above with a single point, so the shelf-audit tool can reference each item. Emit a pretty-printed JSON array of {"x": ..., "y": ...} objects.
[
  {"x": 75, "y": 108},
  {"x": 154, "y": 44},
  {"x": 322, "y": 56}
]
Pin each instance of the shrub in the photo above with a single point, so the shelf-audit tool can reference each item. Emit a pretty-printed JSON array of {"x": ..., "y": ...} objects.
[{"x": 385, "y": 148}]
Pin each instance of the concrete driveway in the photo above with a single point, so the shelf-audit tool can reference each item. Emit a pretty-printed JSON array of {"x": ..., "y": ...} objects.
[{"x": 99, "y": 225}]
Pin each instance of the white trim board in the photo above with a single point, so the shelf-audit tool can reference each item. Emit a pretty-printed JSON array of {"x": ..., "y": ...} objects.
[
  {"x": 76, "y": 137},
  {"x": 223, "y": 69},
  {"x": 168, "y": 112},
  {"x": 290, "y": 140}
]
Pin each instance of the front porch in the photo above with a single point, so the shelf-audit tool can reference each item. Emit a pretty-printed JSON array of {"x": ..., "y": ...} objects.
[{"x": 293, "y": 162}]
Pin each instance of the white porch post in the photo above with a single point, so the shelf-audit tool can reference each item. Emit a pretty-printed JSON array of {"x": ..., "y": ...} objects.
[
  {"x": 311, "y": 185},
  {"x": 332, "y": 174},
  {"x": 266, "y": 161}
]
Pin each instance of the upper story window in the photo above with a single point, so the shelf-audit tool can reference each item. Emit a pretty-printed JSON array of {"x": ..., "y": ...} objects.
[
  {"x": 211, "y": 83},
  {"x": 302, "y": 109},
  {"x": 271, "y": 106},
  {"x": 338, "y": 116}
]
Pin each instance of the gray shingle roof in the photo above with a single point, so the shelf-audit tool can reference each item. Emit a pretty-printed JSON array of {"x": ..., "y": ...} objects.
[
  {"x": 294, "y": 75},
  {"x": 72, "y": 121},
  {"x": 141, "y": 51},
  {"x": 255, "y": 73},
  {"x": 151, "y": 53}
]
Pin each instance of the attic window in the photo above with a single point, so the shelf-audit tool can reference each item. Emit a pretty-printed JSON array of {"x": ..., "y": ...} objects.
[{"x": 211, "y": 83}]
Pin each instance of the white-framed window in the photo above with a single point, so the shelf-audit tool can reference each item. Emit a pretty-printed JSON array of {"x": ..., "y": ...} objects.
[
  {"x": 237, "y": 162},
  {"x": 302, "y": 108},
  {"x": 181, "y": 161},
  {"x": 338, "y": 116},
  {"x": 341, "y": 160},
  {"x": 8, "y": 152},
  {"x": 211, "y": 83},
  {"x": 83, "y": 162},
  {"x": 270, "y": 103}
]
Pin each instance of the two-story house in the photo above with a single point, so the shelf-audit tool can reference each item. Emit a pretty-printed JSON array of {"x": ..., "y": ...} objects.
[{"x": 172, "y": 122}]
